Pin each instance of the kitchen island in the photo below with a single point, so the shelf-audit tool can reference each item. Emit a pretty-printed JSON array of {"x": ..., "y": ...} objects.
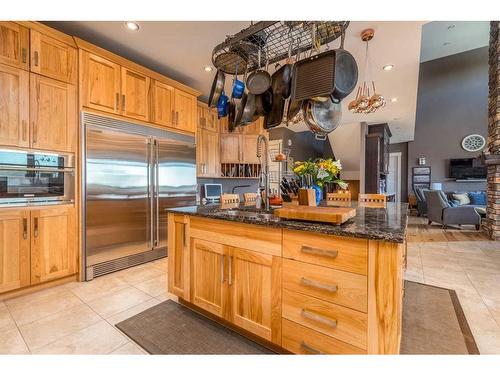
[{"x": 298, "y": 286}]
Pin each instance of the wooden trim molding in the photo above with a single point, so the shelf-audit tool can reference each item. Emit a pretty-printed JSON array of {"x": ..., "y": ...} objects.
[{"x": 44, "y": 29}]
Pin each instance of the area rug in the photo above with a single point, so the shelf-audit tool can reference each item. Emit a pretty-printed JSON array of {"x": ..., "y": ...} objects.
[
  {"x": 170, "y": 328},
  {"x": 433, "y": 323}
]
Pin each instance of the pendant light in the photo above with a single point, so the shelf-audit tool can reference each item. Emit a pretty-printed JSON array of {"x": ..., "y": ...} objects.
[{"x": 366, "y": 101}]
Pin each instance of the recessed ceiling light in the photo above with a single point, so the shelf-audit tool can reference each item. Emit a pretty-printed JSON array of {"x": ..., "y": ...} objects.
[
  {"x": 132, "y": 26},
  {"x": 388, "y": 67},
  {"x": 394, "y": 100},
  {"x": 446, "y": 43},
  {"x": 208, "y": 68}
]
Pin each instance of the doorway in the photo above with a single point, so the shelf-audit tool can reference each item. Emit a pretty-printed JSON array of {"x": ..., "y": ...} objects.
[{"x": 394, "y": 176}]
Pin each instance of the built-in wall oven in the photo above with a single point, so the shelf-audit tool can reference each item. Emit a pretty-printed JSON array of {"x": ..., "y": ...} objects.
[{"x": 28, "y": 178}]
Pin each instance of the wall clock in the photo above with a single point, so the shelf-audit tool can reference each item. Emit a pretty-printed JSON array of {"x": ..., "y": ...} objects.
[{"x": 473, "y": 143}]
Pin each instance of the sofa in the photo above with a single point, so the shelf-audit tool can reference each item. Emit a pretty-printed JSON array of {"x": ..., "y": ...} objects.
[
  {"x": 440, "y": 209},
  {"x": 421, "y": 204}
]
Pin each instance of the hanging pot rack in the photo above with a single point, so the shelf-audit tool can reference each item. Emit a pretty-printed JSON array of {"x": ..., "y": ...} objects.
[{"x": 239, "y": 52}]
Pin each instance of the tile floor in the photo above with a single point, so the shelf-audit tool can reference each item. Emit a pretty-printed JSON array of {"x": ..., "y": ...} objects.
[{"x": 79, "y": 318}]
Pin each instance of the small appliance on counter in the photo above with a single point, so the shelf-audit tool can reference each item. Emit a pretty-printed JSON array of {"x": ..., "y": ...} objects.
[{"x": 213, "y": 192}]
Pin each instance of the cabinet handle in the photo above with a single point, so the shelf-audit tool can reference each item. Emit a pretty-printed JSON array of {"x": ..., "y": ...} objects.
[
  {"x": 184, "y": 236},
  {"x": 230, "y": 270},
  {"x": 319, "y": 318},
  {"x": 23, "y": 54},
  {"x": 317, "y": 285},
  {"x": 322, "y": 252},
  {"x": 25, "y": 228},
  {"x": 309, "y": 348},
  {"x": 35, "y": 132},
  {"x": 35, "y": 229},
  {"x": 222, "y": 269},
  {"x": 177, "y": 118},
  {"x": 123, "y": 102},
  {"x": 117, "y": 101},
  {"x": 36, "y": 58},
  {"x": 173, "y": 117},
  {"x": 24, "y": 129}
]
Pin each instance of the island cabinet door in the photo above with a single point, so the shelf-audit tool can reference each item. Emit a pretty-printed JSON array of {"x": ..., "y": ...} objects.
[
  {"x": 208, "y": 283},
  {"x": 178, "y": 256},
  {"x": 255, "y": 293}
]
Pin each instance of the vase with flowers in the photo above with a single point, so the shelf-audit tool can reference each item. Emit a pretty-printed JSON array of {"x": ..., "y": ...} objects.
[{"x": 320, "y": 172}]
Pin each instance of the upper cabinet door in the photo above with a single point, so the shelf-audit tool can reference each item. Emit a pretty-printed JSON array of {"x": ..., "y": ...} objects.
[
  {"x": 14, "y": 45},
  {"x": 53, "y": 243},
  {"x": 185, "y": 111},
  {"x": 14, "y": 249},
  {"x": 53, "y": 114},
  {"x": 230, "y": 151},
  {"x": 249, "y": 149},
  {"x": 14, "y": 107},
  {"x": 135, "y": 95},
  {"x": 162, "y": 103},
  {"x": 100, "y": 83},
  {"x": 52, "y": 58}
]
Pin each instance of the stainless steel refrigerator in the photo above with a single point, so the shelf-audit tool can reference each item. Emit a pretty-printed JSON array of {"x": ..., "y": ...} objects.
[{"x": 130, "y": 174}]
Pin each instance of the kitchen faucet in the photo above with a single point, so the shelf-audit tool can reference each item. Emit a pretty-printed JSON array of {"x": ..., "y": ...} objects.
[{"x": 264, "y": 164}]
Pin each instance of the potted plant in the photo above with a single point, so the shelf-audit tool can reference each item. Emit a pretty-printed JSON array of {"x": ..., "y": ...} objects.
[{"x": 320, "y": 172}]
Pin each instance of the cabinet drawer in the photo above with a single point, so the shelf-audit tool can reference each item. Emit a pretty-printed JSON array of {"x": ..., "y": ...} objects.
[
  {"x": 333, "y": 320},
  {"x": 342, "y": 288},
  {"x": 302, "y": 340},
  {"x": 325, "y": 250}
]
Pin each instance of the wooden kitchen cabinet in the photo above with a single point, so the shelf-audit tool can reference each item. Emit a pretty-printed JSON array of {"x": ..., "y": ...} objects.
[
  {"x": 134, "y": 94},
  {"x": 53, "y": 58},
  {"x": 209, "y": 276},
  {"x": 249, "y": 149},
  {"x": 14, "y": 45},
  {"x": 100, "y": 83},
  {"x": 230, "y": 148},
  {"x": 162, "y": 104},
  {"x": 185, "y": 111},
  {"x": 207, "y": 118},
  {"x": 207, "y": 153},
  {"x": 255, "y": 292},
  {"x": 14, "y": 106},
  {"x": 178, "y": 256},
  {"x": 53, "y": 114},
  {"x": 53, "y": 243},
  {"x": 14, "y": 249},
  {"x": 256, "y": 127}
]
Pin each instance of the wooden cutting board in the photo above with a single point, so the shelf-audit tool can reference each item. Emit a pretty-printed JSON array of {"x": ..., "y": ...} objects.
[{"x": 332, "y": 215}]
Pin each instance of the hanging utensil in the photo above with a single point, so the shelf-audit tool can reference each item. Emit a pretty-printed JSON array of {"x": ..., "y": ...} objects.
[
  {"x": 345, "y": 73},
  {"x": 222, "y": 105},
  {"x": 322, "y": 117},
  {"x": 238, "y": 86},
  {"x": 259, "y": 80},
  {"x": 217, "y": 88},
  {"x": 264, "y": 102}
]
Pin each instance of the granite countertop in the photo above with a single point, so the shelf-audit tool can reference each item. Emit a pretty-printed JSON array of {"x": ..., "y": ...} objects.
[{"x": 387, "y": 223}]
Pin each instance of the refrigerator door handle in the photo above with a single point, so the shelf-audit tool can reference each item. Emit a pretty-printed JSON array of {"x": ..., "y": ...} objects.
[
  {"x": 157, "y": 192},
  {"x": 150, "y": 193}
]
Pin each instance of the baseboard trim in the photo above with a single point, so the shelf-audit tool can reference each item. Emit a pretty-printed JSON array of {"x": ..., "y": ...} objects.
[{"x": 35, "y": 288}]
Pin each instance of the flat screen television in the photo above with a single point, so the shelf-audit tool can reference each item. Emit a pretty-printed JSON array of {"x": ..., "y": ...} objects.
[{"x": 470, "y": 168}]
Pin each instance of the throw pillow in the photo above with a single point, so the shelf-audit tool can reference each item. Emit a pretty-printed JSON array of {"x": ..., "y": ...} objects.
[
  {"x": 478, "y": 198},
  {"x": 462, "y": 198}
]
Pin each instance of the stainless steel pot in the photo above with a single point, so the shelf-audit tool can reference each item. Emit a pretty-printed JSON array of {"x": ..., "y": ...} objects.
[{"x": 322, "y": 117}]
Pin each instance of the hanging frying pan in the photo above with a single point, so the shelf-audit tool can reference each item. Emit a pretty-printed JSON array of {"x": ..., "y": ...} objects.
[
  {"x": 217, "y": 88},
  {"x": 264, "y": 102},
  {"x": 259, "y": 80},
  {"x": 322, "y": 117},
  {"x": 345, "y": 74}
]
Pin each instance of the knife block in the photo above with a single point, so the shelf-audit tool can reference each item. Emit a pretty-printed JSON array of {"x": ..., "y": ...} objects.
[{"x": 307, "y": 197}]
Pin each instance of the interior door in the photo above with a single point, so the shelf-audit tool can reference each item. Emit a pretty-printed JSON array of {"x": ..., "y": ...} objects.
[
  {"x": 14, "y": 107},
  {"x": 118, "y": 205},
  {"x": 255, "y": 288},
  {"x": 208, "y": 276},
  {"x": 394, "y": 176},
  {"x": 53, "y": 114},
  {"x": 175, "y": 185}
]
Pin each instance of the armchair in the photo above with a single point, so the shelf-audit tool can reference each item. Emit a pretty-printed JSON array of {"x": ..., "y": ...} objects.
[{"x": 439, "y": 211}]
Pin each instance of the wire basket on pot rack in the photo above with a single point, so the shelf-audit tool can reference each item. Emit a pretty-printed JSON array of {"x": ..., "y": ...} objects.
[{"x": 239, "y": 52}]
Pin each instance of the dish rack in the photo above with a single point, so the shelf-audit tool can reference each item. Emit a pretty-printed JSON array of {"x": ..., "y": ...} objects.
[{"x": 239, "y": 52}]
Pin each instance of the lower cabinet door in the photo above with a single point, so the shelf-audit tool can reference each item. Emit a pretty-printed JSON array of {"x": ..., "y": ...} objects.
[
  {"x": 178, "y": 256},
  {"x": 14, "y": 249},
  {"x": 255, "y": 286},
  {"x": 208, "y": 276},
  {"x": 53, "y": 243}
]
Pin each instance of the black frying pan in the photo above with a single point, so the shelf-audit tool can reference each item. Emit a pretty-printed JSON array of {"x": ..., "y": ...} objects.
[
  {"x": 345, "y": 73},
  {"x": 217, "y": 88},
  {"x": 264, "y": 102}
]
